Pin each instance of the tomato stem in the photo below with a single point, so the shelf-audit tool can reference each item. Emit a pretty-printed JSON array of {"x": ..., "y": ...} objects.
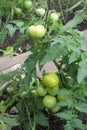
[{"x": 60, "y": 72}]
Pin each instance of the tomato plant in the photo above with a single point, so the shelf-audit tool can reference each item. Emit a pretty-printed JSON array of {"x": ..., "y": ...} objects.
[{"x": 61, "y": 93}]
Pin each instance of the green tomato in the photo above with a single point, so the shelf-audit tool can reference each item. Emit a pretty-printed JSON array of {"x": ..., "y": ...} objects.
[
  {"x": 49, "y": 101},
  {"x": 50, "y": 80},
  {"x": 37, "y": 31},
  {"x": 54, "y": 16},
  {"x": 28, "y": 4},
  {"x": 18, "y": 11},
  {"x": 10, "y": 89},
  {"x": 40, "y": 11},
  {"x": 63, "y": 95},
  {"x": 41, "y": 91},
  {"x": 55, "y": 109},
  {"x": 53, "y": 91}
]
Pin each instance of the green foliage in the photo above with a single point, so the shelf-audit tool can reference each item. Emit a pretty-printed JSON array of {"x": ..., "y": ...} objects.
[
  {"x": 9, "y": 121},
  {"x": 64, "y": 46}
]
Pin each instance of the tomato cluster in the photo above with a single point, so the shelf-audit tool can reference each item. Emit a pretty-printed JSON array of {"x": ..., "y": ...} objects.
[
  {"x": 27, "y": 5},
  {"x": 36, "y": 31},
  {"x": 48, "y": 90}
]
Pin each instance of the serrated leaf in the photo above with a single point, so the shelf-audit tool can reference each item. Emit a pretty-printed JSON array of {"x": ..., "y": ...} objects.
[
  {"x": 82, "y": 71},
  {"x": 41, "y": 119},
  {"x": 10, "y": 121},
  {"x": 73, "y": 57},
  {"x": 19, "y": 24},
  {"x": 78, "y": 18},
  {"x": 11, "y": 29},
  {"x": 78, "y": 124},
  {"x": 55, "y": 51},
  {"x": 62, "y": 104},
  {"x": 75, "y": 5},
  {"x": 30, "y": 65},
  {"x": 68, "y": 127},
  {"x": 67, "y": 115},
  {"x": 82, "y": 107}
]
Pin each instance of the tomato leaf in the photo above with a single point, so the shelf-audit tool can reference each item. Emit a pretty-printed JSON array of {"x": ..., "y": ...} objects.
[
  {"x": 67, "y": 115},
  {"x": 60, "y": 48},
  {"x": 78, "y": 18},
  {"x": 68, "y": 126},
  {"x": 78, "y": 124},
  {"x": 11, "y": 29},
  {"x": 10, "y": 121},
  {"x": 41, "y": 119},
  {"x": 82, "y": 107},
  {"x": 82, "y": 71},
  {"x": 30, "y": 64},
  {"x": 74, "y": 56}
]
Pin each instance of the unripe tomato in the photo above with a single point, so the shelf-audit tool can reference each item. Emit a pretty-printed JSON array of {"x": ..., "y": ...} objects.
[
  {"x": 63, "y": 95},
  {"x": 49, "y": 101},
  {"x": 28, "y": 4},
  {"x": 18, "y": 11},
  {"x": 53, "y": 91},
  {"x": 50, "y": 80},
  {"x": 41, "y": 91},
  {"x": 54, "y": 16},
  {"x": 37, "y": 31},
  {"x": 10, "y": 89},
  {"x": 40, "y": 11},
  {"x": 55, "y": 109}
]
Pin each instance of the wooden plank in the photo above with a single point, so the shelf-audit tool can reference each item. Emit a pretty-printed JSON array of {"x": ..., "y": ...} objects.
[{"x": 8, "y": 63}]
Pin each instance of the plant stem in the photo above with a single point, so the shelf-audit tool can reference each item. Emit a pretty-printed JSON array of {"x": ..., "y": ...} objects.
[
  {"x": 48, "y": 8},
  {"x": 61, "y": 10},
  {"x": 34, "y": 124},
  {"x": 60, "y": 72},
  {"x": 28, "y": 116}
]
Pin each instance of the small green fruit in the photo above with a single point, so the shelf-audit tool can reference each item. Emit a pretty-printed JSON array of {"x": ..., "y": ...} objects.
[
  {"x": 18, "y": 11},
  {"x": 37, "y": 31},
  {"x": 40, "y": 11},
  {"x": 28, "y": 4},
  {"x": 54, "y": 16},
  {"x": 49, "y": 101}
]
